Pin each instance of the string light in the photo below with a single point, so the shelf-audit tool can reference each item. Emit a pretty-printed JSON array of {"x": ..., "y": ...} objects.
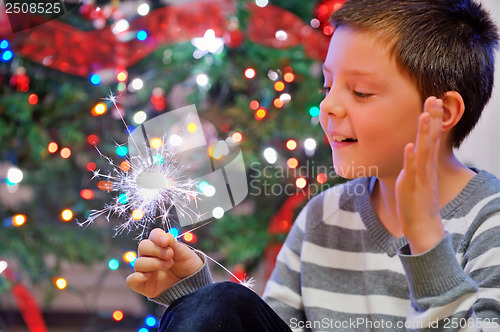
[
  {"x": 4, "y": 44},
  {"x": 65, "y": 153},
  {"x": 270, "y": 155},
  {"x": 14, "y": 175},
  {"x": 3, "y": 266},
  {"x": 191, "y": 127},
  {"x": 129, "y": 256},
  {"x": 61, "y": 283},
  {"x": 7, "y": 56},
  {"x": 278, "y": 103},
  {"x": 66, "y": 215},
  {"x": 125, "y": 166},
  {"x": 95, "y": 79},
  {"x": 87, "y": 194},
  {"x": 237, "y": 137},
  {"x": 261, "y": 3},
  {"x": 121, "y": 150},
  {"x": 321, "y": 178},
  {"x": 142, "y": 35},
  {"x": 260, "y": 114},
  {"x": 250, "y": 73},
  {"x": 314, "y": 111},
  {"x": 113, "y": 264},
  {"x": 52, "y": 147},
  {"x": 189, "y": 237},
  {"x": 289, "y": 77},
  {"x": 99, "y": 109},
  {"x": 279, "y": 86},
  {"x": 137, "y": 84},
  {"x": 117, "y": 315},
  {"x": 155, "y": 143},
  {"x": 123, "y": 199},
  {"x": 150, "y": 321},
  {"x": 33, "y": 99},
  {"x": 143, "y": 9},
  {"x": 93, "y": 139},
  {"x": 218, "y": 212},
  {"x": 137, "y": 214},
  {"x": 104, "y": 185},
  {"x": 19, "y": 220},
  {"x": 254, "y": 104},
  {"x": 300, "y": 183},
  {"x": 292, "y": 163},
  {"x": 91, "y": 166},
  {"x": 310, "y": 144},
  {"x": 174, "y": 231},
  {"x": 140, "y": 117}
]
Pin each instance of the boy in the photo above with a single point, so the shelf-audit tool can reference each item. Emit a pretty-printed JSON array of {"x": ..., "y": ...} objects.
[{"x": 416, "y": 245}]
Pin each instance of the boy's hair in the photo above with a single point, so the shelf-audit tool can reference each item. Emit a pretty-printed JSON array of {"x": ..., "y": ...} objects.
[{"x": 444, "y": 45}]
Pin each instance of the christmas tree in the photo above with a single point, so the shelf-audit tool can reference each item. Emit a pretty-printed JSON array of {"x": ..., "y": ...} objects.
[{"x": 253, "y": 70}]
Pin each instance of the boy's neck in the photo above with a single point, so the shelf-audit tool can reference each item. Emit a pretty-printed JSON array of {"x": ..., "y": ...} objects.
[{"x": 453, "y": 176}]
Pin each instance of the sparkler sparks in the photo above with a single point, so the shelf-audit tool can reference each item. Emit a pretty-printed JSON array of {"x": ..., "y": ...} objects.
[
  {"x": 172, "y": 175},
  {"x": 149, "y": 190}
]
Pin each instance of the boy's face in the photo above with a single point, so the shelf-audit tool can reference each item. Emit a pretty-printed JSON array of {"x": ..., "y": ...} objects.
[{"x": 369, "y": 100}]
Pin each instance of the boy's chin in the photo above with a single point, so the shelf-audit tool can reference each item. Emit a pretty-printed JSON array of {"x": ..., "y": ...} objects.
[{"x": 353, "y": 171}]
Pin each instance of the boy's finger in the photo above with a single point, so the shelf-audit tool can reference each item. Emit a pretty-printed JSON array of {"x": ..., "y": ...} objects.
[
  {"x": 160, "y": 237},
  {"x": 135, "y": 280},
  {"x": 152, "y": 264},
  {"x": 151, "y": 249},
  {"x": 422, "y": 145},
  {"x": 437, "y": 125}
]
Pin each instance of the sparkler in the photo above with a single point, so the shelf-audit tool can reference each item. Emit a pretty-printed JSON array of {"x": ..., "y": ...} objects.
[
  {"x": 151, "y": 183},
  {"x": 169, "y": 176}
]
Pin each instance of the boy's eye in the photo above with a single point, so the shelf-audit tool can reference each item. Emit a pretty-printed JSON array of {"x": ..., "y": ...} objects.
[
  {"x": 361, "y": 95},
  {"x": 324, "y": 91}
]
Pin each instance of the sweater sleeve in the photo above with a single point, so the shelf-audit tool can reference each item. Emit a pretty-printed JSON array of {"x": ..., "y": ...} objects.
[
  {"x": 197, "y": 280},
  {"x": 283, "y": 290},
  {"x": 456, "y": 294}
]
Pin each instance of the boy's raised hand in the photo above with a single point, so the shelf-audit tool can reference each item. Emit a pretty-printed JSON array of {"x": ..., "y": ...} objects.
[
  {"x": 417, "y": 197},
  {"x": 162, "y": 262}
]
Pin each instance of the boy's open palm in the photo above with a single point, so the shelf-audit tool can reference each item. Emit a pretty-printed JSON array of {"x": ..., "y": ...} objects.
[
  {"x": 162, "y": 262},
  {"x": 417, "y": 197}
]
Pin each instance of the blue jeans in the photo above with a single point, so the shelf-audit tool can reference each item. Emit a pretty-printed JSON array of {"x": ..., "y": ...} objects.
[{"x": 222, "y": 307}]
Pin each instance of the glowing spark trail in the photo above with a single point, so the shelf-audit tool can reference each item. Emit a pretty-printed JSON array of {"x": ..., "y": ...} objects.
[{"x": 150, "y": 188}]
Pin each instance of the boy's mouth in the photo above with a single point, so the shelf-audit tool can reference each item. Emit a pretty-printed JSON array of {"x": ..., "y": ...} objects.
[{"x": 344, "y": 139}]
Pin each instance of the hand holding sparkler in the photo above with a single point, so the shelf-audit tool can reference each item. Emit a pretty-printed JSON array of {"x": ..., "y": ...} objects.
[{"x": 162, "y": 262}]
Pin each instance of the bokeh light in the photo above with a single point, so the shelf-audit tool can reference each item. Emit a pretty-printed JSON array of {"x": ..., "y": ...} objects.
[
  {"x": 301, "y": 183},
  {"x": 66, "y": 215},
  {"x": 260, "y": 114},
  {"x": 292, "y": 163},
  {"x": 129, "y": 256},
  {"x": 52, "y": 147},
  {"x": 321, "y": 178},
  {"x": 33, "y": 99},
  {"x": 137, "y": 214},
  {"x": 117, "y": 315},
  {"x": 125, "y": 166},
  {"x": 19, "y": 220},
  {"x": 113, "y": 264},
  {"x": 291, "y": 144},
  {"x": 87, "y": 194},
  {"x": 249, "y": 73},
  {"x": 91, "y": 166},
  {"x": 61, "y": 283},
  {"x": 279, "y": 86},
  {"x": 65, "y": 153}
]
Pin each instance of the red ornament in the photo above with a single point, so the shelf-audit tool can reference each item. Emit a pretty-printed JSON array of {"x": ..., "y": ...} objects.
[
  {"x": 233, "y": 38},
  {"x": 158, "y": 99},
  {"x": 20, "y": 81},
  {"x": 87, "y": 9},
  {"x": 324, "y": 10}
]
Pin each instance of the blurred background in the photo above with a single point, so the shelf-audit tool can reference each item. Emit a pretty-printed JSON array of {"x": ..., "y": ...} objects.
[{"x": 253, "y": 70}]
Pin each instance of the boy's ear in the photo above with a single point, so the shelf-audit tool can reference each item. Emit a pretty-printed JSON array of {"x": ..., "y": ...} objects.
[{"x": 453, "y": 109}]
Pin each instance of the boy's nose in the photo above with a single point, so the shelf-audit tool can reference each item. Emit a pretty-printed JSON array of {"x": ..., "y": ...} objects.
[{"x": 332, "y": 105}]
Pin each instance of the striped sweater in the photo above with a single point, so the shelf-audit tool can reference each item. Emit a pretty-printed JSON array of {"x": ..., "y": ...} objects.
[{"x": 340, "y": 270}]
